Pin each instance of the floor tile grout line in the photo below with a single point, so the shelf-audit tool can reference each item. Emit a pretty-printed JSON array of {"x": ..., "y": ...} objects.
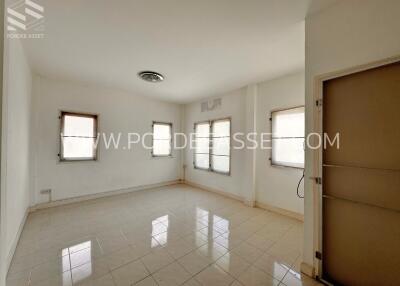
[
  {"x": 148, "y": 271},
  {"x": 112, "y": 278},
  {"x": 70, "y": 266},
  {"x": 209, "y": 240},
  {"x": 163, "y": 266}
]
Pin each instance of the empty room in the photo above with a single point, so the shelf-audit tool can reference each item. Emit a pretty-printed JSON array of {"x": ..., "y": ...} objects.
[{"x": 209, "y": 142}]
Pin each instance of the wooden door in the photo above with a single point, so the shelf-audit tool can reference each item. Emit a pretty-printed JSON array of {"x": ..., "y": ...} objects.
[{"x": 361, "y": 178}]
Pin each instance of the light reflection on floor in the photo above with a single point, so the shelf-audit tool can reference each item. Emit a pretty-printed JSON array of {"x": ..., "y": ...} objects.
[
  {"x": 159, "y": 229},
  {"x": 176, "y": 234},
  {"x": 77, "y": 255}
]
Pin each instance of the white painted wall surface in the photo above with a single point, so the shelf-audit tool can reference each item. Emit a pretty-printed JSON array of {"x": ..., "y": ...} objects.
[
  {"x": 233, "y": 106},
  {"x": 116, "y": 169},
  {"x": 16, "y": 147},
  {"x": 276, "y": 186},
  {"x": 348, "y": 34}
]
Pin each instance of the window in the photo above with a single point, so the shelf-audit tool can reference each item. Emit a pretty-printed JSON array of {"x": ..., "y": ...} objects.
[
  {"x": 220, "y": 145},
  {"x": 78, "y": 137},
  {"x": 202, "y": 146},
  {"x": 212, "y": 146},
  {"x": 162, "y": 139},
  {"x": 288, "y": 137}
]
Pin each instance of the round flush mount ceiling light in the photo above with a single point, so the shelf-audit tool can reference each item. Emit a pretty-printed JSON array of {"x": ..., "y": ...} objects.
[{"x": 151, "y": 76}]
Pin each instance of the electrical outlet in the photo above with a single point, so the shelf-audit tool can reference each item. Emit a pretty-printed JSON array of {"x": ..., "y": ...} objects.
[{"x": 46, "y": 192}]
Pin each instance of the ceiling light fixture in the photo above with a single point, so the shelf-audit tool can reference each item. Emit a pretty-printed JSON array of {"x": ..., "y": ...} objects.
[{"x": 151, "y": 76}]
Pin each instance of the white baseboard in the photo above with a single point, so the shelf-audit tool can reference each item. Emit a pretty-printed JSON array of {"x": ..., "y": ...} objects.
[
  {"x": 14, "y": 245},
  {"x": 101, "y": 195},
  {"x": 11, "y": 253},
  {"x": 281, "y": 211},
  {"x": 274, "y": 209},
  {"x": 307, "y": 269},
  {"x": 212, "y": 190},
  {"x": 251, "y": 204}
]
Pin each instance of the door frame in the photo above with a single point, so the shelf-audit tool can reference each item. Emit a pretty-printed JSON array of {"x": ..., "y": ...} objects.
[{"x": 317, "y": 153}]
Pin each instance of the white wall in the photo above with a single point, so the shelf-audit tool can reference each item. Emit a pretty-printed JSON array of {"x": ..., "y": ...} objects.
[
  {"x": 16, "y": 147},
  {"x": 276, "y": 186},
  {"x": 233, "y": 105},
  {"x": 116, "y": 169},
  {"x": 348, "y": 34},
  {"x": 2, "y": 201}
]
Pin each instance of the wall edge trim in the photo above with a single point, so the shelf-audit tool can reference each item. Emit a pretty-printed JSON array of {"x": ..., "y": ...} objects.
[
  {"x": 16, "y": 239},
  {"x": 307, "y": 269},
  {"x": 212, "y": 190},
  {"x": 84, "y": 198},
  {"x": 281, "y": 211},
  {"x": 267, "y": 207}
]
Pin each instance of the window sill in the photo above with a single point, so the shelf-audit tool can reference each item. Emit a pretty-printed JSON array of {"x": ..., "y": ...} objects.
[
  {"x": 78, "y": 161},
  {"x": 286, "y": 167},
  {"x": 162, "y": 157},
  {"x": 213, "y": 172}
]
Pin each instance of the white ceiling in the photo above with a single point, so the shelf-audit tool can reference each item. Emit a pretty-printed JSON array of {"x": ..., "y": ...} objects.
[{"x": 202, "y": 47}]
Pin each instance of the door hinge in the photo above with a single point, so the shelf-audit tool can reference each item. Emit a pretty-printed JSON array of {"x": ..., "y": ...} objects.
[
  {"x": 318, "y": 102},
  {"x": 317, "y": 180},
  {"x": 318, "y": 255}
]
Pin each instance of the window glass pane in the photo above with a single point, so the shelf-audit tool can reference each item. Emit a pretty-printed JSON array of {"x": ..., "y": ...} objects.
[
  {"x": 288, "y": 123},
  {"x": 202, "y": 130},
  {"x": 221, "y": 128},
  {"x": 201, "y": 161},
  {"x": 76, "y": 147},
  {"x": 78, "y": 126},
  {"x": 161, "y": 131},
  {"x": 220, "y": 163},
  {"x": 161, "y": 147},
  {"x": 288, "y": 152},
  {"x": 202, "y": 145},
  {"x": 221, "y": 146}
]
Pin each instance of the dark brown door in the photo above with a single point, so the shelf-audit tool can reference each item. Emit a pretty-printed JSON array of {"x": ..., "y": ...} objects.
[{"x": 361, "y": 178}]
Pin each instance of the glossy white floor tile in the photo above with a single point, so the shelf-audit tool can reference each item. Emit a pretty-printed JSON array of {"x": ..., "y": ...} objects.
[{"x": 176, "y": 235}]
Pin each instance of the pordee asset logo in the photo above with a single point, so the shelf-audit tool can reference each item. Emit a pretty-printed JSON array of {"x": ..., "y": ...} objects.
[{"x": 25, "y": 19}]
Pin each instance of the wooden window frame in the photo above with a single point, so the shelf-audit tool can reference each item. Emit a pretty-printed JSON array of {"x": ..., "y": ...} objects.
[
  {"x": 95, "y": 130},
  {"x": 210, "y": 153},
  {"x": 170, "y": 140}
]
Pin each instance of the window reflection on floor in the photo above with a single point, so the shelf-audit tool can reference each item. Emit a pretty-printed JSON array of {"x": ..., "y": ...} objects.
[
  {"x": 221, "y": 223},
  {"x": 77, "y": 259},
  {"x": 160, "y": 227},
  {"x": 295, "y": 274},
  {"x": 112, "y": 242}
]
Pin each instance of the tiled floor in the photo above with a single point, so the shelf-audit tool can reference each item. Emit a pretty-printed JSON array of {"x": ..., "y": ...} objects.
[{"x": 176, "y": 235}]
